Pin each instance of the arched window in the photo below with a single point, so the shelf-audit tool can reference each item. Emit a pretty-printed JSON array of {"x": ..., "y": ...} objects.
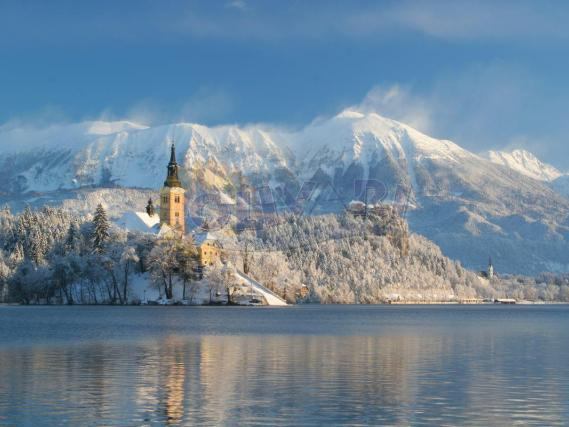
[{"x": 177, "y": 199}]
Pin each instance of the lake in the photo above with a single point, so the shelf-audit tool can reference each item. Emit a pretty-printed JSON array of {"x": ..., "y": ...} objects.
[{"x": 303, "y": 365}]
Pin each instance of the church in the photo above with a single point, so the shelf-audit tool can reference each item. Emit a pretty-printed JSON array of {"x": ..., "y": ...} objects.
[
  {"x": 171, "y": 211},
  {"x": 172, "y": 201},
  {"x": 170, "y": 221}
]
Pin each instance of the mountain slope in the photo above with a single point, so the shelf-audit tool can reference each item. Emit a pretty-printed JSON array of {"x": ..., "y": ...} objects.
[
  {"x": 128, "y": 155},
  {"x": 469, "y": 205},
  {"x": 528, "y": 164},
  {"x": 525, "y": 163}
]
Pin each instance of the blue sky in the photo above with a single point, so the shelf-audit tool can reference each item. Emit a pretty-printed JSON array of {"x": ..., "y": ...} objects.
[{"x": 485, "y": 74}]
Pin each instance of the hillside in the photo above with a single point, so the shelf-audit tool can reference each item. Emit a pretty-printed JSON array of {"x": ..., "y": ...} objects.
[
  {"x": 470, "y": 206},
  {"x": 51, "y": 255},
  {"x": 525, "y": 163}
]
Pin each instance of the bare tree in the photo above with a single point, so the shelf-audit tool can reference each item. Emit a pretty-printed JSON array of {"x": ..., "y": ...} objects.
[
  {"x": 163, "y": 262},
  {"x": 188, "y": 262},
  {"x": 128, "y": 259}
]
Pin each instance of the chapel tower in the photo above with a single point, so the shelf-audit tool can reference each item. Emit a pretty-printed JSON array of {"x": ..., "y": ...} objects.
[{"x": 172, "y": 197}]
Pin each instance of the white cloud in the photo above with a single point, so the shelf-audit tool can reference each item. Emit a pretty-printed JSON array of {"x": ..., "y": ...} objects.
[
  {"x": 205, "y": 106},
  {"x": 483, "y": 107},
  {"x": 524, "y": 20},
  {"x": 462, "y": 19},
  {"x": 398, "y": 102},
  {"x": 236, "y": 4},
  {"x": 446, "y": 19}
]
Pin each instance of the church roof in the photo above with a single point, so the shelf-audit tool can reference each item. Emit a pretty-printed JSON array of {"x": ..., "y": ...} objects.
[
  {"x": 201, "y": 238},
  {"x": 172, "y": 179},
  {"x": 139, "y": 221}
]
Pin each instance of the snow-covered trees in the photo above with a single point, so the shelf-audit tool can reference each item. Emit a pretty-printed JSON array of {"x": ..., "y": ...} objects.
[
  {"x": 350, "y": 259},
  {"x": 51, "y": 255},
  {"x": 221, "y": 278},
  {"x": 100, "y": 229},
  {"x": 272, "y": 269},
  {"x": 163, "y": 263},
  {"x": 129, "y": 258},
  {"x": 188, "y": 262},
  {"x": 5, "y": 273}
]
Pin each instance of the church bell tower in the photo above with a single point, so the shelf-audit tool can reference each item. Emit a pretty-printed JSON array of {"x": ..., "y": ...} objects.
[
  {"x": 490, "y": 271},
  {"x": 172, "y": 197}
]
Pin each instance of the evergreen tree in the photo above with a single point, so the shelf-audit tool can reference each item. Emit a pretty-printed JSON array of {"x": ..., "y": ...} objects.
[
  {"x": 72, "y": 240},
  {"x": 37, "y": 245},
  {"x": 100, "y": 229}
]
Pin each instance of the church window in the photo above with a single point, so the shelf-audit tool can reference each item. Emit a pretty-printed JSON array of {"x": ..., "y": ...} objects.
[
  {"x": 177, "y": 199},
  {"x": 165, "y": 199}
]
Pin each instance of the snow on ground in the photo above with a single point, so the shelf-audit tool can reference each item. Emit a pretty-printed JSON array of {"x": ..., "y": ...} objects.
[
  {"x": 270, "y": 297},
  {"x": 139, "y": 221},
  {"x": 144, "y": 290}
]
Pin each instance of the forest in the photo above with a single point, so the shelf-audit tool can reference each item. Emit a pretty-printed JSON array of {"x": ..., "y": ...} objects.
[{"x": 53, "y": 256}]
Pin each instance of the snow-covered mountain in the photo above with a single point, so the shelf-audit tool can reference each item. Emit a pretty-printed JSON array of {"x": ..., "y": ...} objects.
[
  {"x": 469, "y": 205},
  {"x": 528, "y": 164},
  {"x": 525, "y": 163},
  {"x": 126, "y": 154}
]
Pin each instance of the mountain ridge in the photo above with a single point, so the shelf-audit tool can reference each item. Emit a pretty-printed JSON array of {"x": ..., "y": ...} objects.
[
  {"x": 469, "y": 205},
  {"x": 526, "y": 163}
]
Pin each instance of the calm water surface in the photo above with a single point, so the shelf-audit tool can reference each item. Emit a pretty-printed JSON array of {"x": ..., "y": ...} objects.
[{"x": 305, "y": 365}]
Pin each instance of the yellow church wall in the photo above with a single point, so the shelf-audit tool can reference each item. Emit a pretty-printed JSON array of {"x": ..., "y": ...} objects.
[
  {"x": 209, "y": 253},
  {"x": 172, "y": 202}
]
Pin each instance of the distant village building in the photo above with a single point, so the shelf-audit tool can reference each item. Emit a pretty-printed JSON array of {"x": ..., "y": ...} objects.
[
  {"x": 172, "y": 198},
  {"x": 489, "y": 273},
  {"x": 359, "y": 208}
]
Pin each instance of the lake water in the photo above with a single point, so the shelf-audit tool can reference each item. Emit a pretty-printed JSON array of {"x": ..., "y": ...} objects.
[{"x": 303, "y": 365}]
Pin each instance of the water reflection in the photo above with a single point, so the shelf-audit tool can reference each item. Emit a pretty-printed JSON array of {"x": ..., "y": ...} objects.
[{"x": 408, "y": 379}]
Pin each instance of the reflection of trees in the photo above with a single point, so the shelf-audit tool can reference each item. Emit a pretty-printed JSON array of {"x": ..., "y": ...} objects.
[{"x": 259, "y": 378}]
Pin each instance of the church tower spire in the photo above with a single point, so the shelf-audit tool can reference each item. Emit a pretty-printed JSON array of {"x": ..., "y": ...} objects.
[
  {"x": 172, "y": 196},
  {"x": 172, "y": 179}
]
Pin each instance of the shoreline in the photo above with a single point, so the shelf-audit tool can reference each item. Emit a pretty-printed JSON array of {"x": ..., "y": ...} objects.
[{"x": 443, "y": 303}]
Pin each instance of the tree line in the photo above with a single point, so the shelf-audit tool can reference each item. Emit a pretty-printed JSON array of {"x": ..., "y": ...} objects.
[{"x": 51, "y": 255}]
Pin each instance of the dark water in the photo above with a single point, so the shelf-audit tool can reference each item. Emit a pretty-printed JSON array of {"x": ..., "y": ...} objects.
[{"x": 306, "y": 365}]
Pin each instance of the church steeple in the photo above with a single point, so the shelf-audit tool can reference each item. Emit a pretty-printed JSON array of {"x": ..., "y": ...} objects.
[
  {"x": 172, "y": 179},
  {"x": 172, "y": 197}
]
